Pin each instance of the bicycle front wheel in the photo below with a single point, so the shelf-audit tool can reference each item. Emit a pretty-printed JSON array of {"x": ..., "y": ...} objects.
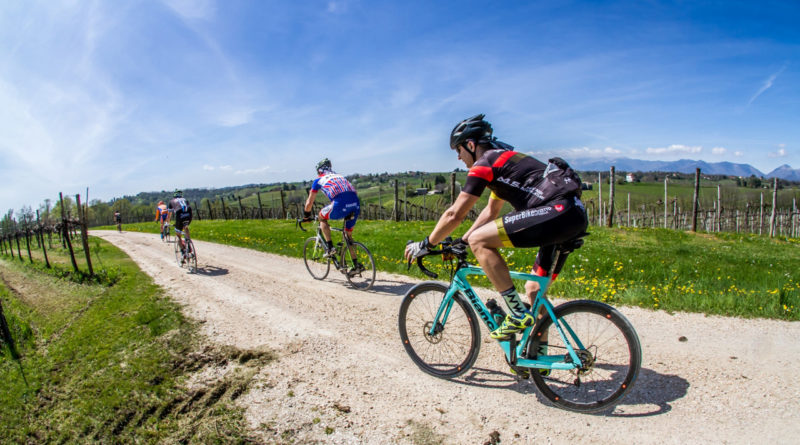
[
  {"x": 178, "y": 255},
  {"x": 314, "y": 257},
  {"x": 453, "y": 347},
  {"x": 610, "y": 358},
  {"x": 360, "y": 271}
]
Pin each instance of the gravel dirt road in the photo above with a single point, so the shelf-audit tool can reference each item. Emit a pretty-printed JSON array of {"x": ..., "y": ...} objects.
[{"x": 342, "y": 375}]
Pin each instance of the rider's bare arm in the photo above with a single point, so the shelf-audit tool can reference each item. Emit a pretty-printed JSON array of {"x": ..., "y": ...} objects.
[
  {"x": 488, "y": 214},
  {"x": 452, "y": 217},
  {"x": 312, "y": 195}
]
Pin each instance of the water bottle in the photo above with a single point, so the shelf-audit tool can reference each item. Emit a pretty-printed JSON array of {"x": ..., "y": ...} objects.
[{"x": 498, "y": 314}]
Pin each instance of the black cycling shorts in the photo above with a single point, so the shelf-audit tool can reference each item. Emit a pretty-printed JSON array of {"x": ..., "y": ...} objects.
[
  {"x": 182, "y": 221},
  {"x": 544, "y": 227}
]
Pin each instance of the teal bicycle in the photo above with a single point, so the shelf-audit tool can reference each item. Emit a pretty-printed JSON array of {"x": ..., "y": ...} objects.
[{"x": 582, "y": 355}]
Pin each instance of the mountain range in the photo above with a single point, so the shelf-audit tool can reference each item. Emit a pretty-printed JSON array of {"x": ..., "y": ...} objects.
[{"x": 684, "y": 166}]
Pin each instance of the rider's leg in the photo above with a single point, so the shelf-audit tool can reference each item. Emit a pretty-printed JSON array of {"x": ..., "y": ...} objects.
[
  {"x": 326, "y": 231},
  {"x": 484, "y": 243}
]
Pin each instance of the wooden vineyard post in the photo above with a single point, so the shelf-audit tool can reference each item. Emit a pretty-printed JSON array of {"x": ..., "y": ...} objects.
[
  {"x": 774, "y": 207},
  {"x": 260, "y": 208},
  {"x": 599, "y": 199},
  {"x": 19, "y": 250},
  {"x": 610, "y": 221},
  {"x": 65, "y": 231},
  {"x": 695, "y": 202},
  {"x": 198, "y": 211},
  {"x": 396, "y": 212},
  {"x": 405, "y": 202},
  {"x": 210, "y": 213},
  {"x": 665, "y": 201},
  {"x": 84, "y": 234},
  {"x": 41, "y": 234},
  {"x": 28, "y": 244},
  {"x": 283, "y": 205},
  {"x": 225, "y": 210},
  {"x": 761, "y": 215},
  {"x": 380, "y": 204},
  {"x": 719, "y": 208},
  {"x": 241, "y": 209},
  {"x": 452, "y": 188}
]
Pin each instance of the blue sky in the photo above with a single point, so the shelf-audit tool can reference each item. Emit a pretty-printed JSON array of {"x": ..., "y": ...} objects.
[{"x": 131, "y": 96}]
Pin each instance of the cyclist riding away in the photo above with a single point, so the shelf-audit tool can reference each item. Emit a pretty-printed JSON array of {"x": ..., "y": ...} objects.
[
  {"x": 344, "y": 202},
  {"x": 547, "y": 211},
  {"x": 118, "y": 220},
  {"x": 161, "y": 216},
  {"x": 183, "y": 216}
]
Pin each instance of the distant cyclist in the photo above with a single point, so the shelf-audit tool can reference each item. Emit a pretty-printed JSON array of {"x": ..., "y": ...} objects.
[
  {"x": 547, "y": 211},
  {"x": 161, "y": 216},
  {"x": 118, "y": 220},
  {"x": 344, "y": 201},
  {"x": 183, "y": 216}
]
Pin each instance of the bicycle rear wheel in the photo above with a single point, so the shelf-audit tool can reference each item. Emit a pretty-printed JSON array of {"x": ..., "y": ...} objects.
[
  {"x": 314, "y": 257},
  {"x": 191, "y": 261},
  {"x": 360, "y": 267},
  {"x": 454, "y": 346},
  {"x": 611, "y": 356}
]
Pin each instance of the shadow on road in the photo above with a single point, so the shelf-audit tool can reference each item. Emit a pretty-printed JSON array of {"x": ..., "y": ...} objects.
[
  {"x": 211, "y": 271},
  {"x": 651, "y": 394},
  {"x": 392, "y": 287}
]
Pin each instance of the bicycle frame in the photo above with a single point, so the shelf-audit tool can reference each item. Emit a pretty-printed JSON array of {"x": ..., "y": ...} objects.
[
  {"x": 346, "y": 240},
  {"x": 512, "y": 348}
]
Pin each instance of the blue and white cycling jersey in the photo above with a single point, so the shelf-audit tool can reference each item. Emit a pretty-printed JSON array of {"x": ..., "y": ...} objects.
[
  {"x": 332, "y": 185},
  {"x": 344, "y": 200}
]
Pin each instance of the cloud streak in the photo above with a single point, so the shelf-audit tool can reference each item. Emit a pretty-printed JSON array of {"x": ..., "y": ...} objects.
[{"x": 767, "y": 85}]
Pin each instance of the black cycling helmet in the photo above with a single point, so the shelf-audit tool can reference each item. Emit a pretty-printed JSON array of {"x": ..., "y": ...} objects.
[
  {"x": 474, "y": 128},
  {"x": 177, "y": 194},
  {"x": 324, "y": 165}
]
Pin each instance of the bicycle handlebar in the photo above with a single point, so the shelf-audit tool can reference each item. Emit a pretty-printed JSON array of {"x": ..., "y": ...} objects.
[
  {"x": 456, "y": 247},
  {"x": 299, "y": 223}
]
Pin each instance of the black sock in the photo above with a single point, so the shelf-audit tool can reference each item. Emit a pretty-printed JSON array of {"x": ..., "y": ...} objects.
[{"x": 513, "y": 301}]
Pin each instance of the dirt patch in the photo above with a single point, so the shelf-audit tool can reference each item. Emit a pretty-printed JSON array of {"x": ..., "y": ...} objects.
[{"x": 339, "y": 347}]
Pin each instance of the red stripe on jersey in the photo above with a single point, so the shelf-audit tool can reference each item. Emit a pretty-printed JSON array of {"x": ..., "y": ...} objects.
[
  {"x": 538, "y": 271},
  {"x": 503, "y": 158},
  {"x": 481, "y": 172}
]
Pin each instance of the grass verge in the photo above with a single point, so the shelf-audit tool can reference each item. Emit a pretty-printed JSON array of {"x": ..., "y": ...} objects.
[{"x": 108, "y": 360}]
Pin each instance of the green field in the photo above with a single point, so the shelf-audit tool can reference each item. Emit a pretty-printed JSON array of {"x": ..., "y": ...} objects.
[
  {"x": 726, "y": 274},
  {"x": 104, "y": 360}
]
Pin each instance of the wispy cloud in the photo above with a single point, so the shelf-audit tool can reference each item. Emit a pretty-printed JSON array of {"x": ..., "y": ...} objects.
[
  {"x": 767, "y": 85},
  {"x": 780, "y": 153},
  {"x": 193, "y": 9},
  {"x": 674, "y": 149},
  {"x": 719, "y": 150},
  {"x": 252, "y": 171}
]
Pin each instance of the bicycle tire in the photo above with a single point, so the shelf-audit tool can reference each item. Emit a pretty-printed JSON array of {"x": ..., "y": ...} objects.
[
  {"x": 615, "y": 350},
  {"x": 191, "y": 262},
  {"x": 313, "y": 257},
  {"x": 460, "y": 338},
  {"x": 178, "y": 254},
  {"x": 365, "y": 279}
]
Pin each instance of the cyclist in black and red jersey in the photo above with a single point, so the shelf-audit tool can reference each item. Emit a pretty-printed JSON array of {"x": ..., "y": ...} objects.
[
  {"x": 547, "y": 211},
  {"x": 183, "y": 216}
]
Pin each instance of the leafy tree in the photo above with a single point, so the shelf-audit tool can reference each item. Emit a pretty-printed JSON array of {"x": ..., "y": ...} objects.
[
  {"x": 69, "y": 208},
  {"x": 123, "y": 206}
]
